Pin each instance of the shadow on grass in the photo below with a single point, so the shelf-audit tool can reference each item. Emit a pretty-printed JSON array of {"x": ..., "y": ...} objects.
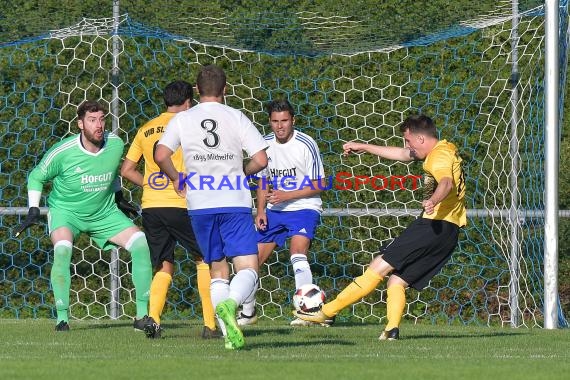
[
  {"x": 443, "y": 335},
  {"x": 181, "y": 330},
  {"x": 122, "y": 324},
  {"x": 193, "y": 329},
  {"x": 266, "y": 331},
  {"x": 105, "y": 325},
  {"x": 306, "y": 343}
]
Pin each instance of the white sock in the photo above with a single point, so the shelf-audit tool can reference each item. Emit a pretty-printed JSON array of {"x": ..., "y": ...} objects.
[
  {"x": 248, "y": 307},
  {"x": 302, "y": 270},
  {"x": 219, "y": 291},
  {"x": 243, "y": 285}
]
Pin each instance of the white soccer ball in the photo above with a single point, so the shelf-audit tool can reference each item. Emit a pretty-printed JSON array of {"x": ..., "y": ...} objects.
[{"x": 308, "y": 298}]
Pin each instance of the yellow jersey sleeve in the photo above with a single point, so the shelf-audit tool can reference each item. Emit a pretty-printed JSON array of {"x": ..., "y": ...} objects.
[
  {"x": 158, "y": 191},
  {"x": 135, "y": 151},
  {"x": 444, "y": 161}
]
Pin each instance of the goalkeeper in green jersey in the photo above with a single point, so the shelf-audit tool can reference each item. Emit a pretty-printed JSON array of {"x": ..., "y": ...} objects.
[{"x": 86, "y": 197}]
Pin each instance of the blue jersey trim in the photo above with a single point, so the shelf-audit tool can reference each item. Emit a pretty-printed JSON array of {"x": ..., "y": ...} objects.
[{"x": 313, "y": 149}]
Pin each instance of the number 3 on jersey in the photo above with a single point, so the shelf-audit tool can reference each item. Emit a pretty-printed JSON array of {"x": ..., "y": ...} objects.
[{"x": 212, "y": 139}]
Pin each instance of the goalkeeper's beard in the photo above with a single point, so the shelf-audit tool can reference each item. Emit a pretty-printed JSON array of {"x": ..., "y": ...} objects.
[{"x": 92, "y": 137}]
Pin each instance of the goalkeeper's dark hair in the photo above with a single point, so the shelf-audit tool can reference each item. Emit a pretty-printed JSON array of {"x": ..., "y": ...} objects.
[
  {"x": 279, "y": 105},
  {"x": 211, "y": 81},
  {"x": 177, "y": 92},
  {"x": 89, "y": 106},
  {"x": 419, "y": 124}
]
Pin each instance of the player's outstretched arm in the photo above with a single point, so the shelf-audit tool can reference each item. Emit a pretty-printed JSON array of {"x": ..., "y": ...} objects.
[
  {"x": 389, "y": 152},
  {"x": 32, "y": 218}
]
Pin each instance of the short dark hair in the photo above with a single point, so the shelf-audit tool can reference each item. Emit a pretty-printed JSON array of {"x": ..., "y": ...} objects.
[
  {"x": 419, "y": 124},
  {"x": 177, "y": 92},
  {"x": 211, "y": 81},
  {"x": 89, "y": 106},
  {"x": 279, "y": 105}
]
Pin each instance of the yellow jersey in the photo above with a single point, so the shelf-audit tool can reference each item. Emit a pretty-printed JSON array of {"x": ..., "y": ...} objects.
[
  {"x": 444, "y": 161},
  {"x": 144, "y": 145}
]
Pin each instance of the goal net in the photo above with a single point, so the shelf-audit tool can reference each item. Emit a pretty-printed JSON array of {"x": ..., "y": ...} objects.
[{"x": 481, "y": 78}]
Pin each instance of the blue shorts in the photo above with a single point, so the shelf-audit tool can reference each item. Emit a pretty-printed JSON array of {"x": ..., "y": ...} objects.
[
  {"x": 284, "y": 224},
  {"x": 225, "y": 235}
]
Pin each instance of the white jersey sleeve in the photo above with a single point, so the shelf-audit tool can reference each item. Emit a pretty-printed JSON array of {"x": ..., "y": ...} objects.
[
  {"x": 252, "y": 140},
  {"x": 171, "y": 136},
  {"x": 313, "y": 161}
]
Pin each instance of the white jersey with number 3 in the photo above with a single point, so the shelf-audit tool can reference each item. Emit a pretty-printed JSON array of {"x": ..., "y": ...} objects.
[{"x": 213, "y": 137}]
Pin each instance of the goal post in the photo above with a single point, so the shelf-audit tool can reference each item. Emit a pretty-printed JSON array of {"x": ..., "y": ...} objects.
[
  {"x": 552, "y": 154},
  {"x": 482, "y": 79}
]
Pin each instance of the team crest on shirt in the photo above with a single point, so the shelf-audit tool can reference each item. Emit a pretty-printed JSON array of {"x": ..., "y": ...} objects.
[{"x": 98, "y": 182}]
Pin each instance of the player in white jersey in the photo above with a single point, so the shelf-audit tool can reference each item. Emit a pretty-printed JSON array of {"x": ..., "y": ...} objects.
[
  {"x": 213, "y": 137},
  {"x": 84, "y": 198},
  {"x": 164, "y": 215},
  {"x": 290, "y": 189}
]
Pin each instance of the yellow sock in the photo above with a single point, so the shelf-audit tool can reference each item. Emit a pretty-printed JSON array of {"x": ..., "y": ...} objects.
[
  {"x": 203, "y": 274},
  {"x": 358, "y": 288},
  {"x": 396, "y": 302},
  {"x": 158, "y": 290}
]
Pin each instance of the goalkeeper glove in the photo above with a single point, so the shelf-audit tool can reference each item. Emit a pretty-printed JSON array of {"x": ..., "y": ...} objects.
[
  {"x": 32, "y": 218},
  {"x": 123, "y": 205}
]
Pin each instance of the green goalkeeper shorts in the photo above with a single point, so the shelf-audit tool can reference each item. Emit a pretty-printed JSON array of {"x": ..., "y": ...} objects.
[{"x": 100, "y": 227}]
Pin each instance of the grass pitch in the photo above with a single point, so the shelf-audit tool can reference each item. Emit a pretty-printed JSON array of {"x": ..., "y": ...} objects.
[{"x": 30, "y": 349}]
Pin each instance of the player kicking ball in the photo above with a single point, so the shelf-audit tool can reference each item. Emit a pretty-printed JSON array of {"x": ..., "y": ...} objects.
[{"x": 425, "y": 246}]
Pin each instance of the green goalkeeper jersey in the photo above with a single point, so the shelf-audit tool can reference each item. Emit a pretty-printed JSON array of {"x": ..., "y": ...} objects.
[{"x": 82, "y": 182}]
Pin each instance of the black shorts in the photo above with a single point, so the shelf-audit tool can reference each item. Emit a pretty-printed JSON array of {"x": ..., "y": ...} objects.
[
  {"x": 164, "y": 227},
  {"x": 420, "y": 252}
]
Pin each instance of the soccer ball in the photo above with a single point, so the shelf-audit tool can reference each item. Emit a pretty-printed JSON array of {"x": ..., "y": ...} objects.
[{"x": 308, "y": 298}]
